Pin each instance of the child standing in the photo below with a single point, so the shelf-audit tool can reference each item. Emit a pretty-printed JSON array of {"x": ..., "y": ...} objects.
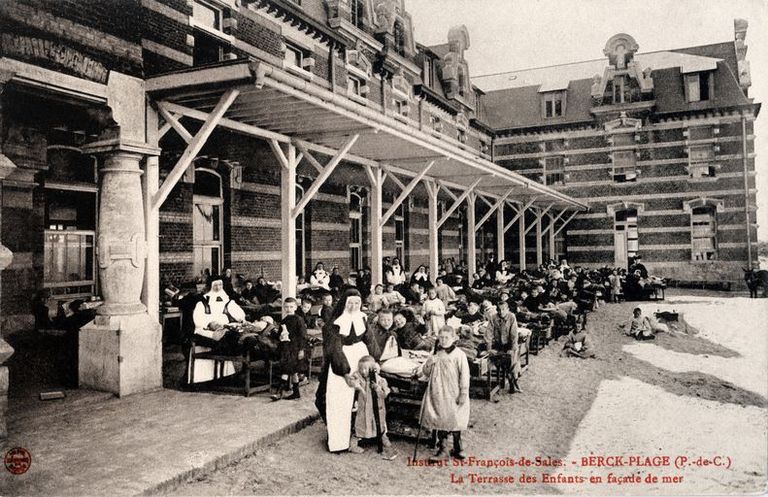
[
  {"x": 434, "y": 312},
  {"x": 445, "y": 407},
  {"x": 293, "y": 341},
  {"x": 365, "y": 421}
]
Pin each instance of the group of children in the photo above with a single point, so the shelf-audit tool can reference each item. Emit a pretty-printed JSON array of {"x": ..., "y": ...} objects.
[{"x": 444, "y": 408}]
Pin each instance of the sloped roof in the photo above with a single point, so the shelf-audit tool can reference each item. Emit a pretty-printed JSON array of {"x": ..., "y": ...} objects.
[{"x": 512, "y": 99}]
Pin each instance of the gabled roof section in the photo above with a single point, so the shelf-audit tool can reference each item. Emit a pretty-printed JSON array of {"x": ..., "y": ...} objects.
[{"x": 513, "y": 99}]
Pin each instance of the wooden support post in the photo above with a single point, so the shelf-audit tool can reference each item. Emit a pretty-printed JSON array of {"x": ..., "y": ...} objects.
[
  {"x": 150, "y": 295},
  {"x": 521, "y": 243},
  {"x": 500, "y": 233},
  {"x": 376, "y": 179},
  {"x": 287, "y": 221},
  {"x": 539, "y": 255},
  {"x": 432, "y": 192},
  {"x": 551, "y": 236},
  {"x": 471, "y": 240}
]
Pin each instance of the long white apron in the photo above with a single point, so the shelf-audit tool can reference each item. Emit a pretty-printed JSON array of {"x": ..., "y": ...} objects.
[{"x": 339, "y": 399}]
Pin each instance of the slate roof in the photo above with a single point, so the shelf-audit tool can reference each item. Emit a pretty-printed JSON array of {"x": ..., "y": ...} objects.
[{"x": 512, "y": 99}]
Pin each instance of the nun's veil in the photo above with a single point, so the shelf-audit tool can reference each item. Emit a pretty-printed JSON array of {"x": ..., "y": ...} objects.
[{"x": 342, "y": 304}]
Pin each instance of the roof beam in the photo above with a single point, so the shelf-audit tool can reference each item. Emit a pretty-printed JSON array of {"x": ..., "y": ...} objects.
[
  {"x": 404, "y": 194},
  {"x": 327, "y": 171},
  {"x": 551, "y": 224},
  {"x": 173, "y": 122},
  {"x": 457, "y": 202},
  {"x": 448, "y": 190},
  {"x": 565, "y": 223},
  {"x": 499, "y": 203},
  {"x": 539, "y": 215},
  {"x": 520, "y": 212},
  {"x": 194, "y": 147}
]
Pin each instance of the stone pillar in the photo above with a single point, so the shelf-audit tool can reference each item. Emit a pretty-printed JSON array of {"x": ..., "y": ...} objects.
[
  {"x": 6, "y": 351},
  {"x": 121, "y": 350}
]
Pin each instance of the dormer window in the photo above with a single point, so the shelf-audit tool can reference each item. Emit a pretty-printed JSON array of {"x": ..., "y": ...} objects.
[
  {"x": 401, "y": 107},
  {"x": 357, "y": 86},
  {"x": 428, "y": 68},
  {"x": 553, "y": 104},
  {"x": 436, "y": 123},
  {"x": 699, "y": 87}
]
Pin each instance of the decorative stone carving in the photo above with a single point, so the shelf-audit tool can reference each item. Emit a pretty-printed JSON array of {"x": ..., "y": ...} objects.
[
  {"x": 620, "y": 50},
  {"x": 623, "y": 122},
  {"x": 385, "y": 15},
  {"x": 717, "y": 204},
  {"x": 612, "y": 209},
  {"x": 358, "y": 62},
  {"x": 455, "y": 70},
  {"x": 401, "y": 86},
  {"x": 745, "y": 72}
]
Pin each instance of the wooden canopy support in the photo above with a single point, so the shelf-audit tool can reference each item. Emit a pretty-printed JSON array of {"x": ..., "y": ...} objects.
[
  {"x": 553, "y": 220},
  {"x": 457, "y": 202},
  {"x": 499, "y": 203},
  {"x": 433, "y": 189},
  {"x": 539, "y": 215},
  {"x": 194, "y": 146},
  {"x": 376, "y": 180},
  {"x": 565, "y": 223},
  {"x": 324, "y": 175},
  {"x": 520, "y": 213},
  {"x": 404, "y": 194}
]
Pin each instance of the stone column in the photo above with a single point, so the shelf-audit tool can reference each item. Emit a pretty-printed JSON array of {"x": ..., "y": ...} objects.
[
  {"x": 121, "y": 350},
  {"x": 6, "y": 351}
]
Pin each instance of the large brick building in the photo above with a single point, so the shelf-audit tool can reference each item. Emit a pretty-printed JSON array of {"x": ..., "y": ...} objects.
[
  {"x": 150, "y": 140},
  {"x": 660, "y": 144}
]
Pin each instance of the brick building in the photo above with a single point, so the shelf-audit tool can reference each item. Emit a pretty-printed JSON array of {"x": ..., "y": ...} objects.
[
  {"x": 660, "y": 144},
  {"x": 144, "y": 141}
]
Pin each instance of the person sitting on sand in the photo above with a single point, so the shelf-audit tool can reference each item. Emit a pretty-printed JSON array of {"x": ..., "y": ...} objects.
[{"x": 640, "y": 326}]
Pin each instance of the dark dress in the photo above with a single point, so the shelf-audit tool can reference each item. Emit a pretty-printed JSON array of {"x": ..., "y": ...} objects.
[{"x": 289, "y": 351}]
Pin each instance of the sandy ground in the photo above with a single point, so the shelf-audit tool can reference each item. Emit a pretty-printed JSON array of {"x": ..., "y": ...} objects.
[{"x": 629, "y": 400}]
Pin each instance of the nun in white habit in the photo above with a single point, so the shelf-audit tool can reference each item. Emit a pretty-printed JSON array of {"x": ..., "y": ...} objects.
[{"x": 346, "y": 340}]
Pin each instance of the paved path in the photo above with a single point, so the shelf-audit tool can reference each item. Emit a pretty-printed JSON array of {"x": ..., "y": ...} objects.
[{"x": 95, "y": 444}]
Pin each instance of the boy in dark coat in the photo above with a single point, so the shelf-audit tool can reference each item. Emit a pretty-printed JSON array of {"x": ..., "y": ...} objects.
[{"x": 293, "y": 342}]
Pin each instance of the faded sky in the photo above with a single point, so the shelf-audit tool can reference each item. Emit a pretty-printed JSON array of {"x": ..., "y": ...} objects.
[{"x": 508, "y": 35}]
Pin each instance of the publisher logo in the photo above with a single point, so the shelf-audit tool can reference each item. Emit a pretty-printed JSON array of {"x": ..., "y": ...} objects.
[{"x": 18, "y": 460}]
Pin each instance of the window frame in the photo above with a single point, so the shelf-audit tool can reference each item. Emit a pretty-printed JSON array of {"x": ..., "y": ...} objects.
[
  {"x": 558, "y": 170},
  {"x": 693, "y": 81},
  {"x": 217, "y": 239},
  {"x": 556, "y": 96},
  {"x": 696, "y": 254},
  {"x": 399, "y": 217}
]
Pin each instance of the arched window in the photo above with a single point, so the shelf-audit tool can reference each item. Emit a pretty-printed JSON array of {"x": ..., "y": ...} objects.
[
  {"x": 399, "y": 34},
  {"x": 207, "y": 222}
]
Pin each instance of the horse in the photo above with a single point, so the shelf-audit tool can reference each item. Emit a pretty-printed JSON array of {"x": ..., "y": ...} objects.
[{"x": 754, "y": 279}]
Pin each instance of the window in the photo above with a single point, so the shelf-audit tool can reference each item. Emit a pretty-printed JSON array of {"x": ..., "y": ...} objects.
[
  {"x": 554, "y": 170},
  {"x": 427, "y": 77},
  {"x": 400, "y": 233},
  {"x": 358, "y": 14},
  {"x": 294, "y": 56},
  {"x": 436, "y": 122},
  {"x": 206, "y": 15},
  {"x": 401, "y": 107},
  {"x": 624, "y": 166},
  {"x": 621, "y": 90},
  {"x": 461, "y": 135},
  {"x": 207, "y": 50},
  {"x": 355, "y": 231},
  {"x": 703, "y": 233},
  {"x": 354, "y": 85},
  {"x": 700, "y": 159},
  {"x": 69, "y": 256},
  {"x": 399, "y": 35},
  {"x": 207, "y": 222},
  {"x": 626, "y": 242},
  {"x": 553, "y": 104},
  {"x": 699, "y": 86}
]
